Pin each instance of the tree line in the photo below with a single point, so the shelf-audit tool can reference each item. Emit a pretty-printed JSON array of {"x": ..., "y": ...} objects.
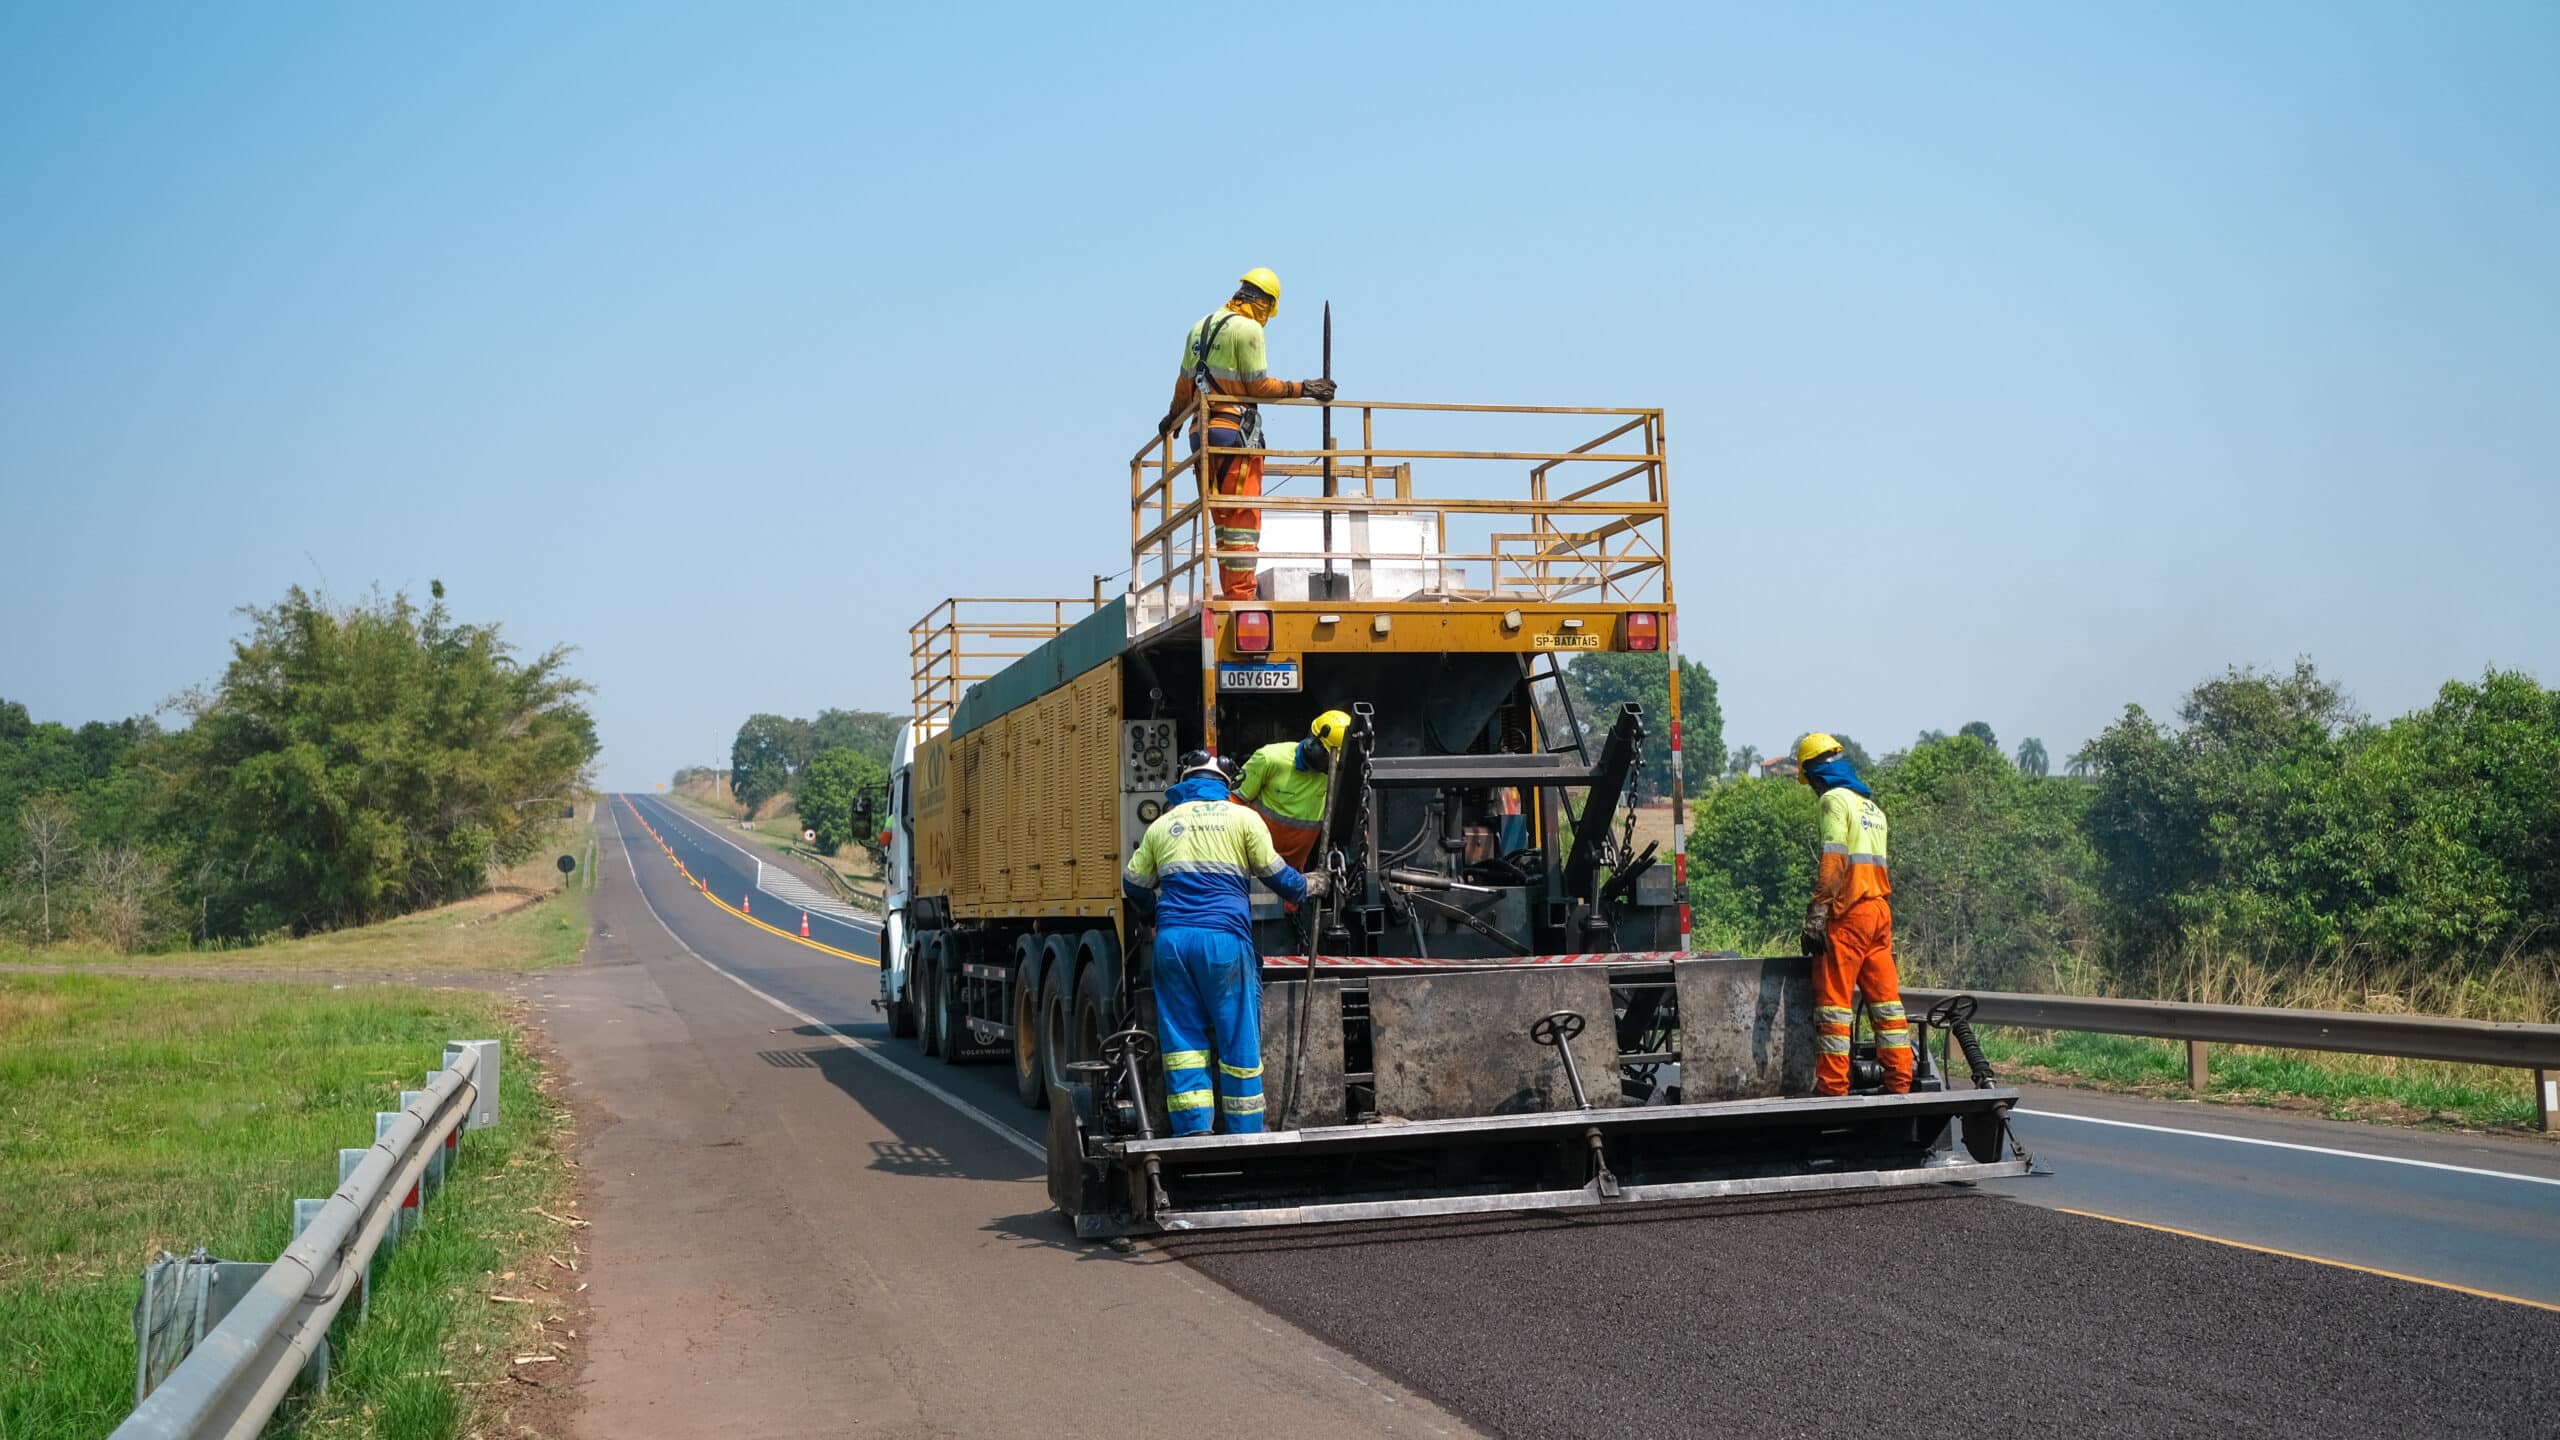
[
  {"x": 825, "y": 765},
  {"x": 2267, "y": 823},
  {"x": 351, "y": 764}
]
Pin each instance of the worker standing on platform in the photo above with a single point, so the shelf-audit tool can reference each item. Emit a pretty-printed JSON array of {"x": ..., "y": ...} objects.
[
  {"x": 1284, "y": 783},
  {"x": 1224, "y": 355},
  {"x": 1192, "y": 871},
  {"x": 1848, "y": 928}
]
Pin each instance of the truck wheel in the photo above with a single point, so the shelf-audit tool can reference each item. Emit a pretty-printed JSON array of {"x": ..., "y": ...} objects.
[
  {"x": 1057, "y": 996},
  {"x": 1030, "y": 1077},
  {"x": 902, "y": 1012},
  {"x": 1056, "y": 1007},
  {"x": 1097, "y": 1015},
  {"x": 949, "y": 1007},
  {"x": 926, "y": 983}
]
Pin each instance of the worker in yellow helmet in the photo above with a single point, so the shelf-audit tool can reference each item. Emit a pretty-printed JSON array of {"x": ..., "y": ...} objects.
[
  {"x": 1284, "y": 783},
  {"x": 1848, "y": 927},
  {"x": 1222, "y": 356}
]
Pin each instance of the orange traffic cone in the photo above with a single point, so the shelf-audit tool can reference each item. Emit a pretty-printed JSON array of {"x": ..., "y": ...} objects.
[
  {"x": 804, "y": 924},
  {"x": 747, "y": 903}
]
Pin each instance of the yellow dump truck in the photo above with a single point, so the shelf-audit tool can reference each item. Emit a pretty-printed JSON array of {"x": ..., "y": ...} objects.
[{"x": 1494, "y": 1006}]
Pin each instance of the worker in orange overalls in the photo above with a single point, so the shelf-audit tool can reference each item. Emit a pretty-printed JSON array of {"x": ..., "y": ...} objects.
[
  {"x": 1848, "y": 928},
  {"x": 1224, "y": 355}
]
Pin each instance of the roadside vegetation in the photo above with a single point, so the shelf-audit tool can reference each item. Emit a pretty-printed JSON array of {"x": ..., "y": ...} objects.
[
  {"x": 531, "y": 918},
  {"x": 352, "y": 764},
  {"x": 142, "y": 1114},
  {"x": 786, "y": 776},
  {"x": 2270, "y": 847}
]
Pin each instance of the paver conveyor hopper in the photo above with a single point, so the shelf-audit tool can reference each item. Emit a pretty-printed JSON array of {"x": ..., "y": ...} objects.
[{"x": 1493, "y": 1006}]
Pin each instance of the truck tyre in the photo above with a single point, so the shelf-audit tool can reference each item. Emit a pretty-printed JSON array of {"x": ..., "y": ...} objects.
[
  {"x": 1057, "y": 1012},
  {"x": 926, "y": 983},
  {"x": 949, "y": 1008},
  {"x": 902, "y": 1013},
  {"x": 1097, "y": 1014},
  {"x": 1030, "y": 1072}
]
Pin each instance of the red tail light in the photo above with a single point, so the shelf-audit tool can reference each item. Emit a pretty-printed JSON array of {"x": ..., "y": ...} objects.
[
  {"x": 1253, "y": 631},
  {"x": 1644, "y": 631}
]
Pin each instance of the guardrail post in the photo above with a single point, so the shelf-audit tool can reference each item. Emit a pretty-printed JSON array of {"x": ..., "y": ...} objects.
[
  {"x": 2196, "y": 1076},
  {"x": 348, "y": 1160},
  {"x": 407, "y": 1219},
  {"x": 484, "y": 1079},
  {"x": 2546, "y": 1096},
  {"x": 315, "y": 1371},
  {"x": 443, "y": 1152}
]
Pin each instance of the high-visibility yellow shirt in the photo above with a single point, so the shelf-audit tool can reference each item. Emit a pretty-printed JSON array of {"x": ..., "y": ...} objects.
[
  {"x": 1853, "y": 851},
  {"x": 1274, "y": 784},
  {"x": 1236, "y": 364}
]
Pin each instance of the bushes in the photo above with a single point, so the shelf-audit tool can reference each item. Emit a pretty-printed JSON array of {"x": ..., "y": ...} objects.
[
  {"x": 2270, "y": 827},
  {"x": 352, "y": 764}
]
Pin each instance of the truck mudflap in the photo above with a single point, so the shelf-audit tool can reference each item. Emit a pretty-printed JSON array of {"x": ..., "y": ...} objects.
[{"x": 1126, "y": 1183}]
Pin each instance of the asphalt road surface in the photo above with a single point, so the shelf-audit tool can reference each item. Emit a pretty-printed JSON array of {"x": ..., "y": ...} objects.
[{"x": 1996, "y": 1313}]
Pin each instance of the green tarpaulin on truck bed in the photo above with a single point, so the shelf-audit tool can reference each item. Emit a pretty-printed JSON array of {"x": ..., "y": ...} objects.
[{"x": 1062, "y": 657}]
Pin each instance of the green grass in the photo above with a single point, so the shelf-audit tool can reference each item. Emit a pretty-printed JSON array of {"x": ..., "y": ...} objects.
[
  {"x": 2343, "y": 1087},
  {"x": 139, "y": 1114},
  {"x": 498, "y": 931}
]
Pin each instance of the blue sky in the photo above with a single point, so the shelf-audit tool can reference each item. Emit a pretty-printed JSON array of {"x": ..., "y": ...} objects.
[{"x": 2091, "y": 352}]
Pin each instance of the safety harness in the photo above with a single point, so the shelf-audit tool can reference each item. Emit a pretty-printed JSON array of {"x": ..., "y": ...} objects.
[{"x": 1249, "y": 425}]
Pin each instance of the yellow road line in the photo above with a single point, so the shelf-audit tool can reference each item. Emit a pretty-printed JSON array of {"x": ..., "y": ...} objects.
[
  {"x": 2314, "y": 1259},
  {"x": 705, "y": 892}
]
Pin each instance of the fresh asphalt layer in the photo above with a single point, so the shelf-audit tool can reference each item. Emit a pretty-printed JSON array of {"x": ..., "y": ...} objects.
[{"x": 2014, "y": 1316}]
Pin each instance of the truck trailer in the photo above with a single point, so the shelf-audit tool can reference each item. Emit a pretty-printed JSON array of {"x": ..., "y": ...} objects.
[{"x": 1494, "y": 1006}]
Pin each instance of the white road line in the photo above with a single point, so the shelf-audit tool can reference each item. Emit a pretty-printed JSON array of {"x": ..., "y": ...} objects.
[
  {"x": 864, "y": 1048},
  {"x": 2289, "y": 1145}
]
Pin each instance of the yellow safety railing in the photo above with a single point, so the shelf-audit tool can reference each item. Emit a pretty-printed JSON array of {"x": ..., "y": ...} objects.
[
  {"x": 1587, "y": 519},
  {"x": 967, "y": 639}
]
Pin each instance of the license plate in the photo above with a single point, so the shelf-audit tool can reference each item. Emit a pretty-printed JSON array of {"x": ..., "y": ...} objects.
[
  {"x": 1564, "y": 642},
  {"x": 1258, "y": 677}
]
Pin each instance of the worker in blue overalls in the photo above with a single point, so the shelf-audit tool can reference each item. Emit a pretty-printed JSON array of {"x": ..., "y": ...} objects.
[{"x": 1193, "y": 871}]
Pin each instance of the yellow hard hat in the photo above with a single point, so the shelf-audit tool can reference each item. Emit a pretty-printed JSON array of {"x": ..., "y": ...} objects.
[
  {"x": 1332, "y": 725},
  {"x": 1261, "y": 278},
  {"x": 1814, "y": 746}
]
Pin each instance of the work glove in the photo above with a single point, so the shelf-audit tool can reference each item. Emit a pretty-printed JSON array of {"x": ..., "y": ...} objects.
[
  {"x": 1165, "y": 426},
  {"x": 1316, "y": 389},
  {"x": 1816, "y": 935},
  {"x": 1317, "y": 884}
]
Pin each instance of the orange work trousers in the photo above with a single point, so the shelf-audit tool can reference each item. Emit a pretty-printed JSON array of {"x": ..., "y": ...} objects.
[
  {"x": 1236, "y": 529},
  {"x": 1859, "y": 959}
]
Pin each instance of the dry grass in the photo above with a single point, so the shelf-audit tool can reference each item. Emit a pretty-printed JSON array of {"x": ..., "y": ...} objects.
[
  {"x": 535, "y": 918},
  {"x": 2517, "y": 988}
]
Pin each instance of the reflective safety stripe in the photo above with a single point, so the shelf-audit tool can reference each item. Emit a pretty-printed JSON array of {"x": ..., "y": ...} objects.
[
  {"x": 1831, "y": 1014},
  {"x": 1831, "y": 849},
  {"x": 1190, "y": 1100},
  {"x": 1242, "y": 1105},
  {"x": 1200, "y": 867},
  {"x": 1860, "y": 859},
  {"x": 1831, "y": 1044},
  {"x": 1186, "y": 1059},
  {"x": 1893, "y": 1039},
  {"x": 1226, "y": 1069},
  {"x": 1889, "y": 1010}
]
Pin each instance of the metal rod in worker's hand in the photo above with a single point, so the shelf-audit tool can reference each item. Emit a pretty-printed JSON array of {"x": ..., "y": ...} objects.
[{"x": 1328, "y": 441}]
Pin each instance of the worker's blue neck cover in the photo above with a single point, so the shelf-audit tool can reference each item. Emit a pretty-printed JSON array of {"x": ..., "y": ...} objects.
[
  {"x": 1835, "y": 770},
  {"x": 1198, "y": 787}
]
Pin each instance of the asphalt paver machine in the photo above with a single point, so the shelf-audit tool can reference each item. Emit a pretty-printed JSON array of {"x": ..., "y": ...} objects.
[{"x": 1493, "y": 1007}]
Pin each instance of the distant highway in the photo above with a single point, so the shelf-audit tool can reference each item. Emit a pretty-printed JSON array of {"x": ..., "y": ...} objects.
[{"x": 2031, "y": 1317}]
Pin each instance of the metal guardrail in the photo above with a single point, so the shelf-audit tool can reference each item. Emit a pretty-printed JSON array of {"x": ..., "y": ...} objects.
[
  {"x": 233, "y": 1379},
  {"x": 2407, "y": 1037}
]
